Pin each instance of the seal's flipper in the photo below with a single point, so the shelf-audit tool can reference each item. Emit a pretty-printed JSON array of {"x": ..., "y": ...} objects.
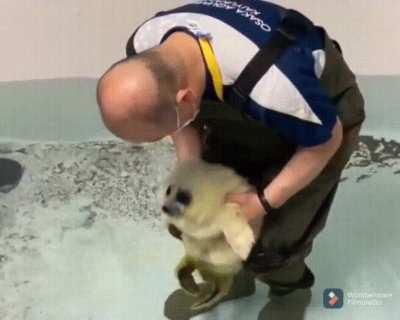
[
  {"x": 184, "y": 273},
  {"x": 219, "y": 290}
]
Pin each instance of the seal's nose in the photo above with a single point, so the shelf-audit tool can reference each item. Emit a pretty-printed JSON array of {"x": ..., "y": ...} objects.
[
  {"x": 171, "y": 210},
  {"x": 166, "y": 209}
]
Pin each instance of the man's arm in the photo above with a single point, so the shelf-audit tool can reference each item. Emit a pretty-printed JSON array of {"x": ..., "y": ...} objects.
[
  {"x": 304, "y": 166},
  {"x": 188, "y": 144}
]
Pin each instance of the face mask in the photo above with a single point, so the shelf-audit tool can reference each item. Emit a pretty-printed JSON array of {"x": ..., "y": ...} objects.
[{"x": 183, "y": 125}]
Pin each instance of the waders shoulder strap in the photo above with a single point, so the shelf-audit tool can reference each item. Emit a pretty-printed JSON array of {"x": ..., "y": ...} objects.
[{"x": 293, "y": 26}]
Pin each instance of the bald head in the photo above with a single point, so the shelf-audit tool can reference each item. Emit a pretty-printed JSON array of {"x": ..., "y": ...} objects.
[{"x": 137, "y": 96}]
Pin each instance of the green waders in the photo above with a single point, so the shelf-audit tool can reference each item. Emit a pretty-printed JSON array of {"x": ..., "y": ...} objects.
[{"x": 258, "y": 153}]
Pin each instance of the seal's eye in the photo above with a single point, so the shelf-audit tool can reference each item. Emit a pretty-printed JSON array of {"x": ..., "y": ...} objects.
[
  {"x": 183, "y": 197},
  {"x": 168, "y": 192}
]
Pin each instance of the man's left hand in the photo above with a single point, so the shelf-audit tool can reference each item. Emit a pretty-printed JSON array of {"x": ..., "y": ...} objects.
[{"x": 249, "y": 203}]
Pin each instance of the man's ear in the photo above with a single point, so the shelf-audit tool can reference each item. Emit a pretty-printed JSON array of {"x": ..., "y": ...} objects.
[{"x": 185, "y": 96}]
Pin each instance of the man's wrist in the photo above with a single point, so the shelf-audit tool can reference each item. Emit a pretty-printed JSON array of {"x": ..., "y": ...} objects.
[
  {"x": 266, "y": 204},
  {"x": 271, "y": 198}
]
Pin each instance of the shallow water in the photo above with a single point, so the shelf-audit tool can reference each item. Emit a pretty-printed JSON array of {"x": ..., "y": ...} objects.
[{"x": 81, "y": 237}]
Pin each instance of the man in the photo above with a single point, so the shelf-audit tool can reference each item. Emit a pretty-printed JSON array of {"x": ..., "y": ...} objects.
[{"x": 292, "y": 139}]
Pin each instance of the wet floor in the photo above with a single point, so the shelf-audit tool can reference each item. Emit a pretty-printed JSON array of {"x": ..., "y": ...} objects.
[{"x": 81, "y": 237}]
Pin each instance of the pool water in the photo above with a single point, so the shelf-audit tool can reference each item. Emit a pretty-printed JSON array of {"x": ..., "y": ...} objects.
[{"x": 82, "y": 236}]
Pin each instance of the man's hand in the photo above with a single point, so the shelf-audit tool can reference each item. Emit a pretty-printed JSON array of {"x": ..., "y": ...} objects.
[{"x": 249, "y": 203}]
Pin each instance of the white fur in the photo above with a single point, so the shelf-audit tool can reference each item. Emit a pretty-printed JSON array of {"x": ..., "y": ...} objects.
[{"x": 214, "y": 231}]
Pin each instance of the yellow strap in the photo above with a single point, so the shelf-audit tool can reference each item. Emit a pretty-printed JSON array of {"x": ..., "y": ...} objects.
[{"x": 213, "y": 67}]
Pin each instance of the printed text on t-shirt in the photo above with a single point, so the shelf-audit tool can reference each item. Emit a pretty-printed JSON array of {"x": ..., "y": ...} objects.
[{"x": 240, "y": 9}]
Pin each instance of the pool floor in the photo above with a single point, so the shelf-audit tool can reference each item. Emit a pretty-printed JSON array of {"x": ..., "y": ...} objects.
[{"x": 81, "y": 237}]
